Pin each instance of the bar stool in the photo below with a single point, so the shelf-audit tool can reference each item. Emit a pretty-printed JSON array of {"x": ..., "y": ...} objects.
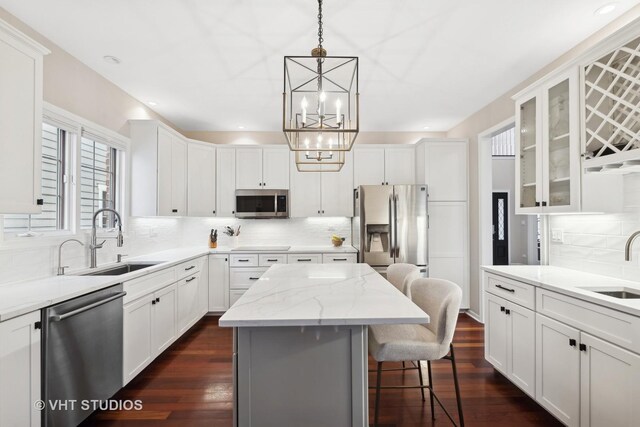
[
  {"x": 400, "y": 275},
  {"x": 440, "y": 299}
]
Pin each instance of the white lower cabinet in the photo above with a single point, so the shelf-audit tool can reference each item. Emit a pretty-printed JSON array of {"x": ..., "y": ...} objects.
[
  {"x": 20, "y": 371},
  {"x": 558, "y": 369},
  {"x": 149, "y": 327},
  {"x": 510, "y": 341},
  {"x": 218, "y": 283},
  {"x": 188, "y": 304}
]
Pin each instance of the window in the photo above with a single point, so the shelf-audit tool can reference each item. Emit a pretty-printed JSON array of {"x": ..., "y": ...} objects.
[
  {"x": 98, "y": 182},
  {"x": 54, "y": 188},
  {"x": 504, "y": 143}
]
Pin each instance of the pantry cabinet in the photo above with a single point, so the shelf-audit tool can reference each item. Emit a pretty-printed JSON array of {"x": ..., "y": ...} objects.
[
  {"x": 548, "y": 147},
  {"x": 399, "y": 165},
  {"x": 20, "y": 121},
  {"x": 201, "y": 179},
  {"x": 225, "y": 182},
  {"x": 383, "y": 165},
  {"x": 443, "y": 166},
  {"x": 20, "y": 371},
  {"x": 262, "y": 168}
]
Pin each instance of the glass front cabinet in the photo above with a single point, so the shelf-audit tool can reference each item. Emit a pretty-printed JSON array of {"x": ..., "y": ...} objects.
[{"x": 548, "y": 147}]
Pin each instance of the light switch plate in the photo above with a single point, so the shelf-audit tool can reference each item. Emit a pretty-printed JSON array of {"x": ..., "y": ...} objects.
[{"x": 557, "y": 235}]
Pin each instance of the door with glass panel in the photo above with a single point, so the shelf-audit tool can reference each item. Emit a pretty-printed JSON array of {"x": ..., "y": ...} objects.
[{"x": 528, "y": 156}]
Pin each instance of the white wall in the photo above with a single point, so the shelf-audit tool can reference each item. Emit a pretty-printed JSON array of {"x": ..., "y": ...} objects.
[
  {"x": 503, "y": 171},
  {"x": 595, "y": 243},
  {"x": 35, "y": 257}
]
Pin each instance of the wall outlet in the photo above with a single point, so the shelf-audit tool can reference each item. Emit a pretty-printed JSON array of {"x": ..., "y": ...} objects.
[{"x": 557, "y": 235}]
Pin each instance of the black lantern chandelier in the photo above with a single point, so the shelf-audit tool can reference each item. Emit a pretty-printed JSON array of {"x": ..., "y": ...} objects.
[{"x": 320, "y": 116}]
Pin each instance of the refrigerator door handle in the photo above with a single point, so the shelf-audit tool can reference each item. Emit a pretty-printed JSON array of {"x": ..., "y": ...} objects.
[
  {"x": 391, "y": 224},
  {"x": 395, "y": 227}
]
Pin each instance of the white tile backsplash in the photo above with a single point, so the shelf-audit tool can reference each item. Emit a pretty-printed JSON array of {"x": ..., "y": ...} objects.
[
  {"x": 595, "y": 243},
  {"x": 35, "y": 257}
]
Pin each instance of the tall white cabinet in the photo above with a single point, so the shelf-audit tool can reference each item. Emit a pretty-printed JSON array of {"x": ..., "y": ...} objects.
[
  {"x": 225, "y": 181},
  {"x": 443, "y": 166},
  {"x": 21, "y": 60},
  {"x": 201, "y": 179}
]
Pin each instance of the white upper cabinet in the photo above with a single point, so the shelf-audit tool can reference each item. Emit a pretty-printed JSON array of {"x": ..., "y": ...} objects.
[
  {"x": 158, "y": 170},
  {"x": 226, "y": 181},
  {"x": 368, "y": 166},
  {"x": 258, "y": 168},
  {"x": 20, "y": 121},
  {"x": 305, "y": 195},
  {"x": 337, "y": 190},
  {"x": 442, "y": 165},
  {"x": 548, "y": 147},
  {"x": 399, "y": 166},
  {"x": 201, "y": 179}
]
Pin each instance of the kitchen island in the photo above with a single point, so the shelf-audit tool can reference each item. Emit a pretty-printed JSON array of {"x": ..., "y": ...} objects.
[{"x": 300, "y": 343}]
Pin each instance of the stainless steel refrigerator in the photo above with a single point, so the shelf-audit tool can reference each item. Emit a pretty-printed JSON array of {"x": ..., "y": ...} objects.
[{"x": 391, "y": 226}]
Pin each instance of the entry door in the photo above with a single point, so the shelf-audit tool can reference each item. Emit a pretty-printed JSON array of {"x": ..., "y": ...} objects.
[{"x": 500, "y": 229}]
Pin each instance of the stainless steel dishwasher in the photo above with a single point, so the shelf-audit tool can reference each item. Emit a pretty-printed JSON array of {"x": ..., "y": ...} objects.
[{"x": 82, "y": 355}]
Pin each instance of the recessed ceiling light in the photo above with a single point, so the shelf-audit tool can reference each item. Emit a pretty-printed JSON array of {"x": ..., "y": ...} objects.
[
  {"x": 111, "y": 60},
  {"x": 240, "y": 127},
  {"x": 152, "y": 103},
  {"x": 425, "y": 128},
  {"x": 607, "y": 8}
]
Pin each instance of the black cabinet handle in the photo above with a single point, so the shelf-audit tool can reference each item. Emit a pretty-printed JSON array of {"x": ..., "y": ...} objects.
[
  {"x": 174, "y": 210},
  {"x": 507, "y": 311},
  {"x": 37, "y": 325},
  {"x": 243, "y": 260},
  {"x": 272, "y": 260},
  {"x": 502, "y": 309},
  {"x": 158, "y": 299},
  {"x": 40, "y": 202},
  {"x": 323, "y": 211},
  {"x": 190, "y": 280},
  {"x": 190, "y": 268},
  {"x": 339, "y": 259},
  {"x": 505, "y": 289},
  {"x": 318, "y": 211},
  {"x": 572, "y": 342},
  {"x": 386, "y": 183},
  {"x": 214, "y": 212},
  {"x": 544, "y": 203},
  {"x": 153, "y": 302},
  {"x": 583, "y": 347},
  {"x": 254, "y": 278},
  {"x": 304, "y": 259},
  {"x": 233, "y": 212},
  {"x": 537, "y": 203}
]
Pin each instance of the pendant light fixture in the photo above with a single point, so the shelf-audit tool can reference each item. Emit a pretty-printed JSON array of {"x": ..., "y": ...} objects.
[{"x": 320, "y": 115}]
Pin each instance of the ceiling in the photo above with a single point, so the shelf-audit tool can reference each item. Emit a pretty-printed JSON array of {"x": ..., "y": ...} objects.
[{"x": 218, "y": 65}]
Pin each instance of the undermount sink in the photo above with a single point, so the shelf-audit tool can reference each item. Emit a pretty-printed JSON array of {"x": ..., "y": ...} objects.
[
  {"x": 620, "y": 293},
  {"x": 121, "y": 269}
]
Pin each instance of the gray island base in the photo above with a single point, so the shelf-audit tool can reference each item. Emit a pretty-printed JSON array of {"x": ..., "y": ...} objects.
[{"x": 300, "y": 344}]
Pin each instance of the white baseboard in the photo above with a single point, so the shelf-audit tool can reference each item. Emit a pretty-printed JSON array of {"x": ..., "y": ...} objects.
[{"x": 475, "y": 316}]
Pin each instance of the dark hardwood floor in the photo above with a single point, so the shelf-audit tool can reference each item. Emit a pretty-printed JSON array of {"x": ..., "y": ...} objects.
[{"x": 191, "y": 385}]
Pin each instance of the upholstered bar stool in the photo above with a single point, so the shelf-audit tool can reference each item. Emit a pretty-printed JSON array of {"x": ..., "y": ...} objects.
[
  {"x": 440, "y": 299},
  {"x": 400, "y": 275}
]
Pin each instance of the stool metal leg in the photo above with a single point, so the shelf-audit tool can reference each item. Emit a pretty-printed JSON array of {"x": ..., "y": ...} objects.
[
  {"x": 455, "y": 381},
  {"x": 433, "y": 415},
  {"x": 421, "y": 380},
  {"x": 378, "y": 383}
]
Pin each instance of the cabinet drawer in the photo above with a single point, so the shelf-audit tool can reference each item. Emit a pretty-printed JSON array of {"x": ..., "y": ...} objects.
[
  {"x": 511, "y": 290},
  {"x": 245, "y": 260},
  {"x": 610, "y": 325},
  {"x": 267, "y": 260},
  {"x": 243, "y": 278},
  {"x": 304, "y": 259},
  {"x": 235, "y": 296},
  {"x": 143, "y": 285},
  {"x": 189, "y": 268},
  {"x": 339, "y": 258}
]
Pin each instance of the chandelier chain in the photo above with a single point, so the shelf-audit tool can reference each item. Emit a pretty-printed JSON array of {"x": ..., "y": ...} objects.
[{"x": 320, "y": 39}]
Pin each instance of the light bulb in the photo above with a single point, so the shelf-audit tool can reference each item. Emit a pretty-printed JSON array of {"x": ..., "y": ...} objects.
[
  {"x": 322, "y": 98},
  {"x": 338, "y": 105},
  {"x": 304, "y": 104}
]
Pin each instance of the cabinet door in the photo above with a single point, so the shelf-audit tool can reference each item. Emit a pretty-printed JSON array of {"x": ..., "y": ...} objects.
[
  {"x": 248, "y": 168},
  {"x": 305, "y": 194},
  {"x": 558, "y": 369},
  {"x": 178, "y": 177},
  {"x": 337, "y": 190},
  {"x": 165, "y": 165},
  {"x": 138, "y": 350},
  {"x": 275, "y": 168},
  {"x": 495, "y": 333},
  {"x": 20, "y": 126},
  {"x": 20, "y": 371},
  {"x": 187, "y": 302},
  {"x": 218, "y": 283},
  {"x": 609, "y": 386},
  {"x": 521, "y": 347},
  {"x": 445, "y": 171},
  {"x": 368, "y": 166},
  {"x": 399, "y": 166},
  {"x": 201, "y": 180},
  {"x": 561, "y": 145},
  {"x": 226, "y": 182},
  {"x": 203, "y": 289},
  {"x": 164, "y": 318},
  {"x": 528, "y": 156}
]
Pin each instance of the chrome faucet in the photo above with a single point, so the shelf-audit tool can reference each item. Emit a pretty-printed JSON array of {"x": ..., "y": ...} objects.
[
  {"x": 94, "y": 240},
  {"x": 60, "y": 266},
  {"x": 627, "y": 247}
]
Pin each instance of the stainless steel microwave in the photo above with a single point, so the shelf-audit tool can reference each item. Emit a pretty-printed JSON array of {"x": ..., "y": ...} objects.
[{"x": 262, "y": 203}]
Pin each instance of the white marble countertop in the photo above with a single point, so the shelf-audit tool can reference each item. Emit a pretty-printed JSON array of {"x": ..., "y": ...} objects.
[
  {"x": 573, "y": 283},
  {"x": 292, "y": 250},
  {"x": 322, "y": 294}
]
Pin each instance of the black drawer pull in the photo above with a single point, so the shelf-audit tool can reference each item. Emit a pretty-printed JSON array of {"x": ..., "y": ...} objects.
[
  {"x": 505, "y": 289},
  {"x": 174, "y": 210},
  {"x": 272, "y": 260},
  {"x": 190, "y": 268},
  {"x": 243, "y": 260},
  {"x": 189, "y": 280},
  {"x": 254, "y": 278},
  {"x": 304, "y": 259},
  {"x": 339, "y": 259}
]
